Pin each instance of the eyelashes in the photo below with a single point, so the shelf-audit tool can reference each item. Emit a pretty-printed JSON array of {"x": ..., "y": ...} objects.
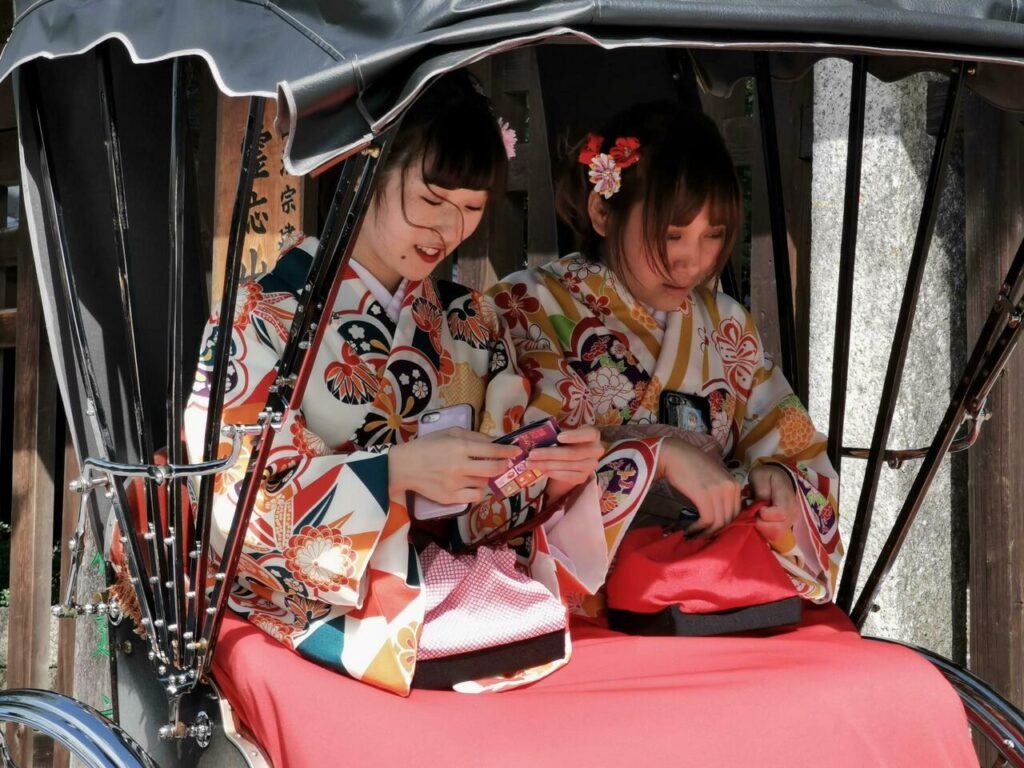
[
  {"x": 434, "y": 203},
  {"x": 716, "y": 235}
]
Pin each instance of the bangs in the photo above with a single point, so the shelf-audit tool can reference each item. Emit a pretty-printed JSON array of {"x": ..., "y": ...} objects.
[
  {"x": 681, "y": 186},
  {"x": 461, "y": 154}
]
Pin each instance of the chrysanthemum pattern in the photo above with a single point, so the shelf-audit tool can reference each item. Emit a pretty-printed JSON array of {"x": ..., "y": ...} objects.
[{"x": 322, "y": 557}]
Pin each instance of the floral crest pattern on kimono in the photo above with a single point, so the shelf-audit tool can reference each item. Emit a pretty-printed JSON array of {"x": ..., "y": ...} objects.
[
  {"x": 594, "y": 354},
  {"x": 327, "y": 566}
]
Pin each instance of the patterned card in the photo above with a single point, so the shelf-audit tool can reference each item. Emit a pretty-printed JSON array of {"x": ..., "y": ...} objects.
[{"x": 539, "y": 434}]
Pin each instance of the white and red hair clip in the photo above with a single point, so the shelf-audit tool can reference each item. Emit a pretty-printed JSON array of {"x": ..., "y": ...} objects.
[{"x": 606, "y": 167}]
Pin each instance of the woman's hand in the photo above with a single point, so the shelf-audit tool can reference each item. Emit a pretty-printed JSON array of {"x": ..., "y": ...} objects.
[
  {"x": 773, "y": 484},
  {"x": 449, "y": 467},
  {"x": 572, "y": 462},
  {"x": 704, "y": 480}
]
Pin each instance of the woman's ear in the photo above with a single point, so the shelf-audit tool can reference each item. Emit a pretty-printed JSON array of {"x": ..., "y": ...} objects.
[{"x": 597, "y": 207}]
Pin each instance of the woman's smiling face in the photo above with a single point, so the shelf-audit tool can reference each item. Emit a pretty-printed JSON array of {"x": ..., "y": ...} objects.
[{"x": 411, "y": 227}]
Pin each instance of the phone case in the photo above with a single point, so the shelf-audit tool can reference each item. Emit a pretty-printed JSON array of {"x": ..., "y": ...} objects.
[
  {"x": 539, "y": 434},
  {"x": 437, "y": 421},
  {"x": 689, "y": 412}
]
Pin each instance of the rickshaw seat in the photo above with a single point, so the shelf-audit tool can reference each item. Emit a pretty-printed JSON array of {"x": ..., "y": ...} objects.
[{"x": 815, "y": 695}]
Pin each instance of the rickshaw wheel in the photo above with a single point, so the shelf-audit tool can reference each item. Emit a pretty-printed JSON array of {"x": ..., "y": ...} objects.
[{"x": 80, "y": 729}]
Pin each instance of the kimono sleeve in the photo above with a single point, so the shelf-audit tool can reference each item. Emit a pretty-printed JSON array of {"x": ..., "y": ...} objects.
[
  {"x": 583, "y": 537},
  {"x": 319, "y": 517},
  {"x": 776, "y": 429}
]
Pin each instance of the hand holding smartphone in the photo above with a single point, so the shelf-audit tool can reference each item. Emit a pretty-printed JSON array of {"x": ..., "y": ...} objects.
[{"x": 437, "y": 421}]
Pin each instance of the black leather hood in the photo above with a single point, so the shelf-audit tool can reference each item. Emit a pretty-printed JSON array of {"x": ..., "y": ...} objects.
[{"x": 343, "y": 70}]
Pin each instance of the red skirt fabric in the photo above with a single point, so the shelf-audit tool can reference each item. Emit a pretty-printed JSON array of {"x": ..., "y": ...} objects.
[{"x": 818, "y": 695}]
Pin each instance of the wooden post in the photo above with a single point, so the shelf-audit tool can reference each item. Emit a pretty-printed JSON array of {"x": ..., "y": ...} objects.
[
  {"x": 66, "y": 630},
  {"x": 994, "y": 180},
  {"x": 276, "y": 216},
  {"x": 520, "y": 228},
  {"x": 32, "y": 514},
  {"x": 793, "y": 101}
]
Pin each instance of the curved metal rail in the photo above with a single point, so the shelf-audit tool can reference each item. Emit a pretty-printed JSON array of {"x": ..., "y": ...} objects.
[
  {"x": 1001, "y": 723},
  {"x": 83, "y": 731}
]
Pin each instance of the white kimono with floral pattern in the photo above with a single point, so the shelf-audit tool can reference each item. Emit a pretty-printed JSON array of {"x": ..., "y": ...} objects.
[
  {"x": 595, "y": 355},
  {"x": 327, "y": 566}
]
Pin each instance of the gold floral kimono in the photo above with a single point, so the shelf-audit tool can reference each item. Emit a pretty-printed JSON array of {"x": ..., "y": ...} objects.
[
  {"x": 327, "y": 566},
  {"x": 595, "y": 355}
]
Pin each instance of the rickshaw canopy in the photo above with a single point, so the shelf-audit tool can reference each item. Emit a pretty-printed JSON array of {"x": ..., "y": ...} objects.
[{"x": 343, "y": 70}]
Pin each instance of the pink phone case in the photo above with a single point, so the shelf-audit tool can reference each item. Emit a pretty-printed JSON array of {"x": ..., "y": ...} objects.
[{"x": 436, "y": 421}]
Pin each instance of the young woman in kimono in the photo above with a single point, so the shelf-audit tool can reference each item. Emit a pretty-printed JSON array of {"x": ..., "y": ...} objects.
[
  {"x": 604, "y": 333},
  {"x": 329, "y": 564}
]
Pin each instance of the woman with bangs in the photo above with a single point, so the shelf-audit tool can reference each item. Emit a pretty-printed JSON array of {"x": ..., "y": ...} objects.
[
  {"x": 335, "y": 564},
  {"x": 631, "y": 335}
]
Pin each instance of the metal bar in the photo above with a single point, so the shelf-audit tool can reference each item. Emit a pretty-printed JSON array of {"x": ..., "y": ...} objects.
[
  {"x": 901, "y": 342},
  {"x": 322, "y": 284},
  {"x": 144, "y": 444},
  {"x": 53, "y": 215},
  {"x": 175, "y": 369},
  {"x": 730, "y": 285},
  {"x": 777, "y": 215},
  {"x": 225, "y": 576},
  {"x": 77, "y": 547},
  {"x": 1007, "y": 296},
  {"x": 896, "y": 458},
  {"x": 998, "y": 719},
  {"x": 232, "y": 271},
  {"x": 162, "y": 473},
  {"x": 847, "y": 259},
  {"x": 988, "y": 359},
  {"x": 306, "y": 333}
]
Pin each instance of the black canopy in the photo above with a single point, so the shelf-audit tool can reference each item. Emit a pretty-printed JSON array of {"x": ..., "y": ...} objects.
[{"x": 343, "y": 69}]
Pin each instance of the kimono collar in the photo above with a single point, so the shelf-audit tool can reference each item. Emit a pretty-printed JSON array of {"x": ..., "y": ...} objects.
[
  {"x": 391, "y": 302},
  {"x": 660, "y": 315},
  {"x": 576, "y": 268}
]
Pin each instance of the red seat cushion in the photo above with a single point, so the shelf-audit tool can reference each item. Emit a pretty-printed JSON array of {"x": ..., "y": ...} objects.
[{"x": 818, "y": 695}]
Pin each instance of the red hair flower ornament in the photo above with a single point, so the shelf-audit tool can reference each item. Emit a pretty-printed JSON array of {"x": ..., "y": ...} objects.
[{"x": 606, "y": 167}]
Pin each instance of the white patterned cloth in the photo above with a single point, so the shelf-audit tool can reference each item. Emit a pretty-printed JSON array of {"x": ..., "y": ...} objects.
[{"x": 480, "y": 600}]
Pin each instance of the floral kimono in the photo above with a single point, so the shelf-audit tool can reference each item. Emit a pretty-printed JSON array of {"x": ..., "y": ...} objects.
[
  {"x": 327, "y": 566},
  {"x": 595, "y": 355}
]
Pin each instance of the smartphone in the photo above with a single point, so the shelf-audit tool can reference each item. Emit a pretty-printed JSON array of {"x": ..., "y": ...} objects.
[
  {"x": 687, "y": 412},
  {"x": 539, "y": 434},
  {"x": 438, "y": 420}
]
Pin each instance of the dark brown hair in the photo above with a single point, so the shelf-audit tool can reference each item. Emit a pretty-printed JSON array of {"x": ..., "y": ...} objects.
[
  {"x": 452, "y": 131},
  {"x": 683, "y": 165}
]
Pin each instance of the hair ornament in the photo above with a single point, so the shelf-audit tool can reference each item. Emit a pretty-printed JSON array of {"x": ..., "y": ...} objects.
[
  {"x": 508, "y": 138},
  {"x": 606, "y": 167}
]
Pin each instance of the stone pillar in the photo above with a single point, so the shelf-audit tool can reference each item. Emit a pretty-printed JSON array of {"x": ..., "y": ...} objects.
[{"x": 919, "y": 602}]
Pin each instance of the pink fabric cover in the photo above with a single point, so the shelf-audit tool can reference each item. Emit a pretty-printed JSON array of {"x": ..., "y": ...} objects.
[
  {"x": 479, "y": 600},
  {"x": 818, "y": 695}
]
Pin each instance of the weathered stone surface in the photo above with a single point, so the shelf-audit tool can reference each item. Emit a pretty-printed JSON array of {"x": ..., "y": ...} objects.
[{"x": 917, "y": 597}]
